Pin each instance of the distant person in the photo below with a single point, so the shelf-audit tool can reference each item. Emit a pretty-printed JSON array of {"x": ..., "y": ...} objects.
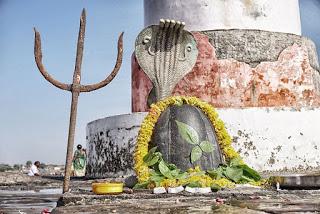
[
  {"x": 34, "y": 170},
  {"x": 79, "y": 162}
]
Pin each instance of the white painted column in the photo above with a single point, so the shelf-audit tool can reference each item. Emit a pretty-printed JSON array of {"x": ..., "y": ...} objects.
[{"x": 199, "y": 15}]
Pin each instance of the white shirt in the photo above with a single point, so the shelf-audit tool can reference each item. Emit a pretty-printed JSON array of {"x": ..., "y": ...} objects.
[{"x": 33, "y": 170}]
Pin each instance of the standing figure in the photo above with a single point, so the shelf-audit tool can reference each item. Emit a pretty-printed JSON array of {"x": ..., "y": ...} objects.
[{"x": 79, "y": 162}]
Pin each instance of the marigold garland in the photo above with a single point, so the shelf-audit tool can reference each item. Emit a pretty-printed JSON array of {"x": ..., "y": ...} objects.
[{"x": 148, "y": 124}]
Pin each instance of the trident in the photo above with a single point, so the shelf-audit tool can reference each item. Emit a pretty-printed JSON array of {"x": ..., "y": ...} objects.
[{"x": 75, "y": 88}]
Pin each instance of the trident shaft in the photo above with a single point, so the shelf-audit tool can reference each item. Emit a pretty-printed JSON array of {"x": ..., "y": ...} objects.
[{"x": 75, "y": 88}]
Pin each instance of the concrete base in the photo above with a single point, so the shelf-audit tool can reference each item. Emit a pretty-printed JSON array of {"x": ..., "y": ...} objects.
[
  {"x": 243, "y": 199},
  {"x": 268, "y": 139}
]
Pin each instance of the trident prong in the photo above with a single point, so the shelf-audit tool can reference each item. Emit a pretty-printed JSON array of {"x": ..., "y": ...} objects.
[{"x": 75, "y": 88}]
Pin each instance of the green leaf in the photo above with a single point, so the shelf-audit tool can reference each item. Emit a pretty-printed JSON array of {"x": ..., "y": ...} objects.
[
  {"x": 171, "y": 166},
  {"x": 250, "y": 173},
  {"x": 206, "y": 146},
  {"x": 164, "y": 169},
  {"x": 233, "y": 173},
  {"x": 154, "y": 172},
  {"x": 196, "y": 154},
  {"x": 157, "y": 178},
  {"x": 188, "y": 133},
  {"x": 194, "y": 184},
  {"x": 153, "y": 161},
  {"x": 142, "y": 185},
  {"x": 182, "y": 175},
  {"x": 150, "y": 154},
  {"x": 235, "y": 162},
  {"x": 245, "y": 179},
  {"x": 213, "y": 174},
  {"x": 198, "y": 173},
  {"x": 175, "y": 172},
  {"x": 217, "y": 173}
]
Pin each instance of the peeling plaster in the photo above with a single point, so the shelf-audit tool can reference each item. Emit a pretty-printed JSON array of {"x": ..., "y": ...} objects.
[
  {"x": 289, "y": 81},
  {"x": 275, "y": 139}
]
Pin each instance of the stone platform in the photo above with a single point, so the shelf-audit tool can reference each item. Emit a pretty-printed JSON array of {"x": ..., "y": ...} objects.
[{"x": 240, "y": 200}]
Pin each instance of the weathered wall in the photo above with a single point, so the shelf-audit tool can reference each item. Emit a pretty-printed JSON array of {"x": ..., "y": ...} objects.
[
  {"x": 199, "y": 15},
  {"x": 245, "y": 68},
  {"x": 275, "y": 139},
  {"x": 268, "y": 139},
  {"x": 110, "y": 145}
]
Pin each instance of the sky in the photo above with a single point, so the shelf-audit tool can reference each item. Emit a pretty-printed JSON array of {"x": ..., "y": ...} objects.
[{"x": 34, "y": 115}]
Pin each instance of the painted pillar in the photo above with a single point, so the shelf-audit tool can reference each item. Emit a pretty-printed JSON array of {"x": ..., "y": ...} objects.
[
  {"x": 256, "y": 69},
  {"x": 199, "y": 15}
]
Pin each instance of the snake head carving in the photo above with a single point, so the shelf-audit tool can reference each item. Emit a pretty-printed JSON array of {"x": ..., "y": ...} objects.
[{"x": 166, "y": 53}]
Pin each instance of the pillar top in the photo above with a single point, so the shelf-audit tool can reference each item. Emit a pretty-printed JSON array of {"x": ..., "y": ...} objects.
[{"x": 201, "y": 15}]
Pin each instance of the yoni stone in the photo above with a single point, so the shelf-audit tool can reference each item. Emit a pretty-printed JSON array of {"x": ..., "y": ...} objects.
[{"x": 177, "y": 150}]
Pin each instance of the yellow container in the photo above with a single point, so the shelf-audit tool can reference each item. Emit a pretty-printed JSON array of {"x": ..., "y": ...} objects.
[{"x": 107, "y": 188}]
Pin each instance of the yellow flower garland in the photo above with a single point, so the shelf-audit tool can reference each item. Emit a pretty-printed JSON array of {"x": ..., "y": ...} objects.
[{"x": 148, "y": 124}]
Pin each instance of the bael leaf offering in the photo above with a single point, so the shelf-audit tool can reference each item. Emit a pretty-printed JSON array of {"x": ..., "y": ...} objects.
[
  {"x": 233, "y": 173},
  {"x": 236, "y": 162},
  {"x": 206, "y": 146},
  {"x": 153, "y": 161},
  {"x": 250, "y": 173},
  {"x": 164, "y": 169},
  {"x": 160, "y": 169},
  {"x": 194, "y": 184},
  {"x": 175, "y": 172},
  {"x": 188, "y": 133},
  {"x": 150, "y": 154},
  {"x": 216, "y": 173},
  {"x": 143, "y": 185},
  {"x": 196, "y": 154}
]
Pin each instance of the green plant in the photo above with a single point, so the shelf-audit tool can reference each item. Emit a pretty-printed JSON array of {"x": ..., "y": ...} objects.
[
  {"x": 235, "y": 171},
  {"x": 17, "y": 166},
  {"x": 5, "y": 167},
  {"x": 191, "y": 136},
  {"x": 28, "y": 163},
  {"x": 160, "y": 169}
]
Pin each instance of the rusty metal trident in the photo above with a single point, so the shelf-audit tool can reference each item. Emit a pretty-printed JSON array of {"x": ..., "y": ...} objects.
[{"x": 75, "y": 88}]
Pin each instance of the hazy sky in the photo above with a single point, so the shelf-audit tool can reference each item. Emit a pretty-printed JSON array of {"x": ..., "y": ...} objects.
[{"x": 34, "y": 115}]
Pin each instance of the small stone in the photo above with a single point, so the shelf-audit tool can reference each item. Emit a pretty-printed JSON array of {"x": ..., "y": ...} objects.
[
  {"x": 175, "y": 189},
  {"x": 190, "y": 189},
  {"x": 159, "y": 190},
  {"x": 203, "y": 190}
]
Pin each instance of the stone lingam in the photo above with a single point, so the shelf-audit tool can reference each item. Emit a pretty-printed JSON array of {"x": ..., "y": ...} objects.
[{"x": 260, "y": 74}]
